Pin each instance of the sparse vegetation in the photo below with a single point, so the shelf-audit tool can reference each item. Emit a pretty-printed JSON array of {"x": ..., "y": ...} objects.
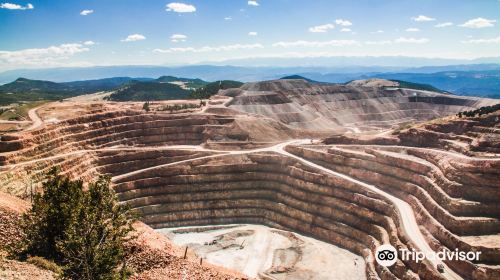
[
  {"x": 479, "y": 112},
  {"x": 81, "y": 231},
  {"x": 178, "y": 107},
  {"x": 44, "y": 264},
  {"x": 212, "y": 89},
  {"x": 19, "y": 112},
  {"x": 402, "y": 127},
  {"x": 417, "y": 86},
  {"x": 149, "y": 91},
  {"x": 26, "y": 90},
  {"x": 188, "y": 83}
]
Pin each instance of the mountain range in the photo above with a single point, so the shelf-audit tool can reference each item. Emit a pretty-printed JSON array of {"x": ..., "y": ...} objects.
[{"x": 468, "y": 79}]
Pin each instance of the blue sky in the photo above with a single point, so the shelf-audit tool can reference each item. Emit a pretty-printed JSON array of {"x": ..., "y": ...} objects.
[{"x": 35, "y": 34}]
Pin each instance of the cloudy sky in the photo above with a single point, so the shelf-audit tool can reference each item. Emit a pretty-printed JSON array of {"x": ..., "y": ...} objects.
[{"x": 41, "y": 33}]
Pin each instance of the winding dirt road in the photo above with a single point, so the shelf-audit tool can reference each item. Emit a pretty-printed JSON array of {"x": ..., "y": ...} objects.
[{"x": 33, "y": 115}]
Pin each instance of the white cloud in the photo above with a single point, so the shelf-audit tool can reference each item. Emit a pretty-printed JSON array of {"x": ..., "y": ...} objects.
[
  {"x": 89, "y": 43},
  {"x": 210, "y": 49},
  {"x": 134, "y": 37},
  {"x": 180, "y": 8},
  {"x": 253, "y": 3},
  {"x": 422, "y": 18},
  {"x": 483, "y": 41},
  {"x": 86, "y": 12},
  {"x": 301, "y": 43},
  {"x": 479, "y": 23},
  {"x": 411, "y": 40},
  {"x": 228, "y": 18},
  {"x": 412, "y": 29},
  {"x": 378, "y": 32},
  {"x": 321, "y": 28},
  {"x": 443, "y": 24},
  {"x": 345, "y": 29},
  {"x": 400, "y": 40},
  {"x": 46, "y": 56},
  {"x": 10, "y": 6},
  {"x": 175, "y": 38},
  {"x": 252, "y": 33},
  {"x": 384, "y": 42},
  {"x": 343, "y": 22}
]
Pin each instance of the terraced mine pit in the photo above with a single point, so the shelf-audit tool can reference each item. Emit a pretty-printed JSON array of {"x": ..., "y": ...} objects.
[{"x": 287, "y": 155}]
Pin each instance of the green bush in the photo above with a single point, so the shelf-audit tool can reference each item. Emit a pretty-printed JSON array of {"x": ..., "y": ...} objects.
[
  {"x": 82, "y": 231},
  {"x": 145, "y": 107}
]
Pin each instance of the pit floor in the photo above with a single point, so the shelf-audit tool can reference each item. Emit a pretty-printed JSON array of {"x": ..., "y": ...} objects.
[{"x": 257, "y": 249}]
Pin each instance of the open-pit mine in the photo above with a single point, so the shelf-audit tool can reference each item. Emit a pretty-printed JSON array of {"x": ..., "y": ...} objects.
[{"x": 288, "y": 179}]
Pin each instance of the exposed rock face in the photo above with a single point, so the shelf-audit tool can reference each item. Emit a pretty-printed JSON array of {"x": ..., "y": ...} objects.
[
  {"x": 454, "y": 196},
  {"x": 480, "y": 135},
  {"x": 360, "y": 105},
  {"x": 77, "y": 139},
  {"x": 273, "y": 190}
]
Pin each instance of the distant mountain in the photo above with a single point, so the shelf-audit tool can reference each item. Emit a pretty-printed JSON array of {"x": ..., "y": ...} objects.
[
  {"x": 402, "y": 62},
  {"x": 466, "y": 79},
  {"x": 297, "y": 77},
  {"x": 204, "y": 72},
  {"x": 215, "y": 73},
  {"x": 472, "y": 83}
]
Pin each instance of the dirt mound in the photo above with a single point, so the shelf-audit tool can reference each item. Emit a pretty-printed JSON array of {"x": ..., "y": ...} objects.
[{"x": 10, "y": 210}]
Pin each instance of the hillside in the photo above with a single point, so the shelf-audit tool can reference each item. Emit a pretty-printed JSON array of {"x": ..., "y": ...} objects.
[
  {"x": 186, "y": 82},
  {"x": 361, "y": 105},
  {"x": 297, "y": 77},
  {"x": 130, "y": 89},
  {"x": 169, "y": 88},
  {"x": 213, "y": 88},
  {"x": 127, "y": 89},
  {"x": 149, "y": 91},
  {"x": 34, "y": 90}
]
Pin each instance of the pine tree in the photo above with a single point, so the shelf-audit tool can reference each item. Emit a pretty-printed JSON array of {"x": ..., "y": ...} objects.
[{"x": 83, "y": 231}]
